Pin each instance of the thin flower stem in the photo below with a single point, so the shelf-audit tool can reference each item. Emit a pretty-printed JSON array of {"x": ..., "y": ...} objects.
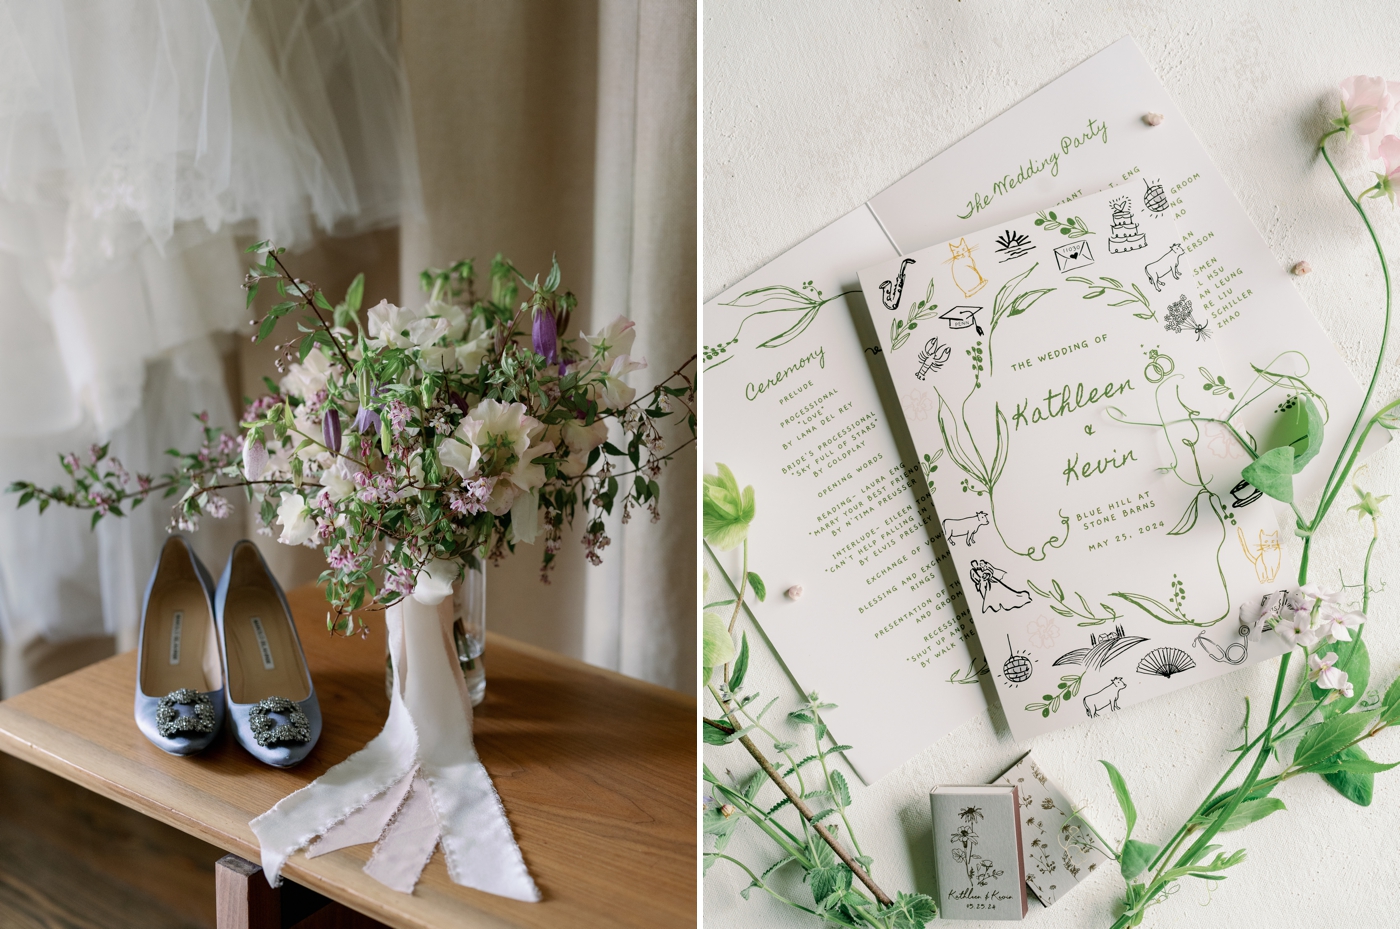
[
  {"x": 340, "y": 349},
  {"x": 1338, "y": 476}
]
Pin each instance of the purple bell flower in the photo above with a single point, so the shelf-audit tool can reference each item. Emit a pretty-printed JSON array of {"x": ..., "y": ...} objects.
[
  {"x": 330, "y": 430},
  {"x": 366, "y": 421},
  {"x": 545, "y": 336}
]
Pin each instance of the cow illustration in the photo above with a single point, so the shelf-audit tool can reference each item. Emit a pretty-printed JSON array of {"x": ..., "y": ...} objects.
[
  {"x": 1169, "y": 263},
  {"x": 966, "y": 527},
  {"x": 1103, "y": 700}
]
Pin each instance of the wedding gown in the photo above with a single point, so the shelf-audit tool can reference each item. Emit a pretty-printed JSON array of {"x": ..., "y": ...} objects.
[{"x": 136, "y": 138}]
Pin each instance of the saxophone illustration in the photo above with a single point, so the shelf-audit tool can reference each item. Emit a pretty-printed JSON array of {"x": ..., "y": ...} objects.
[{"x": 892, "y": 290}]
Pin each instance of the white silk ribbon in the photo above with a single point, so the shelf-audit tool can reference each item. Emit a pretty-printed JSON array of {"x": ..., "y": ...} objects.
[{"x": 417, "y": 785}]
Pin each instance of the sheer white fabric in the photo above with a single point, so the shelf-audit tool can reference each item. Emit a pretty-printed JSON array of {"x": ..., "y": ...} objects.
[{"x": 136, "y": 137}]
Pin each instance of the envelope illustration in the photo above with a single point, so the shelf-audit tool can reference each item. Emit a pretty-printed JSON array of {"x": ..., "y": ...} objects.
[{"x": 1073, "y": 255}]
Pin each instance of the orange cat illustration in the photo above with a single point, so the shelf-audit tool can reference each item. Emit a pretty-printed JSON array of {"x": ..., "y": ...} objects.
[
  {"x": 966, "y": 277},
  {"x": 1266, "y": 554}
]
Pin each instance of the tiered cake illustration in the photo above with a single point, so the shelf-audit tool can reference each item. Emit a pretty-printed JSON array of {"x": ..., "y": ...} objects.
[{"x": 1124, "y": 236}]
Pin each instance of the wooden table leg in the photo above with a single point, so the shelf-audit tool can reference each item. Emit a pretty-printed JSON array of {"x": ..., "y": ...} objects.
[{"x": 243, "y": 898}]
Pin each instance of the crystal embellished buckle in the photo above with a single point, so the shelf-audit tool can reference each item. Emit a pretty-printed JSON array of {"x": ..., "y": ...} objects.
[
  {"x": 169, "y": 721},
  {"x": 266, "y": 730}
]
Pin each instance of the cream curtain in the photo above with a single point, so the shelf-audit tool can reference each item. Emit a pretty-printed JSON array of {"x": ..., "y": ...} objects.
[{"x": 569, "y": 127}]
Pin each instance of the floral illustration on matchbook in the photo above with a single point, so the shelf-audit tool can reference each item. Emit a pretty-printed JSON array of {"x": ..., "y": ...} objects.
[{"x": 1092, "y": 505}]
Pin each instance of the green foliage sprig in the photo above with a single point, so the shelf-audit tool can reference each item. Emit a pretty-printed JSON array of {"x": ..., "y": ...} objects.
[{"x": 810, "y": 787}]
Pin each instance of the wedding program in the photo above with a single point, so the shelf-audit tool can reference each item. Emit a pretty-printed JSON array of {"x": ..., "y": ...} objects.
[{"x": 1065, "y": 241}]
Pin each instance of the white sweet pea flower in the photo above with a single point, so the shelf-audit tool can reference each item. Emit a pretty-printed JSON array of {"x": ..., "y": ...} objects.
[
  {"x": 1311, "y": 593},
  {"x": 1333, "y": 678},
  {"x": 389, "y": 325},
  {"x": 295, "y": 517},
  {"x": 338, "y": 480},
  {"x": 1318, "y": 664},
  {"x": 471, "y": 352},
  {"x": 613, "y": 393},
  {"x": 455, "y": 316},
  {"x": 1341, "y": 625},
  {"x": 613, "y": 340},
  {"x": 523, "y": 477},
  {"x": 440, "y": 358},
  {"x": 307, "y": 378},
  {"x": 458, "y": 451},
  {"x": 424, "y": 332},
  {"x": 434, "y": 582},
  {"x": 581, "y": 440},
  {"x": 1297, "y": 629}
]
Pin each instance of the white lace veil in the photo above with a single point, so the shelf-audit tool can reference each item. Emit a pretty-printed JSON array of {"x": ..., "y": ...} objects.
[{"x": 136, "y": 137}]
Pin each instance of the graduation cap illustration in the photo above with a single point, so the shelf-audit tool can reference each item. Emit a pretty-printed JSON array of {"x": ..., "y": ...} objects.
[{"x": 961, "y": 317}]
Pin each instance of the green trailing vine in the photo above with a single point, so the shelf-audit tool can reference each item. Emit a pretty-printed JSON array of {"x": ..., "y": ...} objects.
[
  {"x": 902, "y": 329},
  {"x": 1127, "y": 295},
  {"x": 1072, "y": 227},
  {"x": 1062, "y": 607}
]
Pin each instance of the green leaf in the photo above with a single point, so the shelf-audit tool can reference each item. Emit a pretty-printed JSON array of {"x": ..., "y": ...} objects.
[
  {"x": 356, "y": 293},
  {"x": 1355, "y": 778},
  {"x": 1120, "y": 789},
  {"x": 1136, "y": 857},
  {"x": 1390, "y": 703},
  {"x": 1251, "y": 811},
  {"x": 840, "y": 789},
  {"x": 718, "y": 644},
  {"x": 759, "y": 589},
  {"x": 1330, "y": 736},
  {"x": 727, "y": 510},
  {"x": 1313, "y": 440},
  {"x": 1187, "y": 522},
  {"x": 741, "y": 665},
  {"x": 320, "y": 300},
  {"x": 1352, "y": 759},
  {"x": 911, "y": 911},
  {"x": 1272, "y": 473},
  {"x": 713, "y": 735}
]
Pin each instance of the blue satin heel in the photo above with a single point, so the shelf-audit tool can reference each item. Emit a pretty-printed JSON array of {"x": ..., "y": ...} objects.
[
  {"x": 271, "y": 700},
  {"x": 179, "y": 675}
]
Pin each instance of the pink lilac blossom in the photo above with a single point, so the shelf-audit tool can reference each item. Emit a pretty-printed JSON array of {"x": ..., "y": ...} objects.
[
  {"x": 471, "y": 499},
  {"x": 399, "y": 414},
  {"x": 216, "y": 505}
]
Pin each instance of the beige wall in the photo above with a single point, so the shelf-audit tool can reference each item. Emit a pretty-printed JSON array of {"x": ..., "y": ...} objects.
[{"x": 504, "y": 112}]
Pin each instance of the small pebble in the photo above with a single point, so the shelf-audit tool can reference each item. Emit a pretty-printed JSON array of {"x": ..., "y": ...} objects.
[
  {"x": 1153, "y": 119},
  {"x": 794, "y": 592},
  {"x": 1301, "y": 268}
]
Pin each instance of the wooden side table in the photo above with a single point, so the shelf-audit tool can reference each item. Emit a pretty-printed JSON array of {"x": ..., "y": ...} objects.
[{"x": 597, "y": 773}]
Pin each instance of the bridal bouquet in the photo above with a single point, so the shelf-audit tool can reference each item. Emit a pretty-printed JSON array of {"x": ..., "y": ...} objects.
[{"x": 418, "y": 440}]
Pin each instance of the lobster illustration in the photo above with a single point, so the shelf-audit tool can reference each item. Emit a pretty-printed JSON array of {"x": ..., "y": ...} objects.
[{"x": 932, "y": 357}]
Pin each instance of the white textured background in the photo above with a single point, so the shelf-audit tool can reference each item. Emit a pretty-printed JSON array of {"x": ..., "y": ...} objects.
[{"x": 811, "y": 108}]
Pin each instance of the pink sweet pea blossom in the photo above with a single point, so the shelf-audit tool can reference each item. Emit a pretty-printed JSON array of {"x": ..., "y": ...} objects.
[
  {"x": 1390, "y": 155},
  {"x": 1370, "y": 108}
]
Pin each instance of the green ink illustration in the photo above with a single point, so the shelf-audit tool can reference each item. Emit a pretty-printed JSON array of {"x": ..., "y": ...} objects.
[
  {"x": 901, "y": 329},
  {"x": 1010, "y": 301},
  {"x": 1216, "y": 385},
  {"x": 1126, "y": 295},
  {"x": 1060, "y": 604},
  {"x": 1071, "y": 226},
  {"x": 785, "y": 300},
  {"x": 971, "y": 673},
  {"x": 1066, "y": 690}
]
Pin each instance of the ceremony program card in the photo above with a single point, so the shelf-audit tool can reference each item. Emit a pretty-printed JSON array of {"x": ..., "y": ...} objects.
[
  {"x": 1053, "y": 367},
  {"x": 1077, "y": 135}
]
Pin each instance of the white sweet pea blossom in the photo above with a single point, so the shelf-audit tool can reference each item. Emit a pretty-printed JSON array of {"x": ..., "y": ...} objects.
[
  {"x": 1333, "y": 678},
  {"x": 458, "y": 451},
  {"x": 424, "y": 332},
  {"x": 614, "y": 393},
  {"x": 581, "y": 440},
  {"x": 294, "y": 515},
  {"x": 1296, "y": 629},
  {"x": 307, "y": 378},
  {"x": 613, "y": 340},
  {"x": 338, "y": 480},
  {"x": 471, "y": 352},
  {"x": 455, "y": 316},
  {"x": 1320, "y": 663},
  {"x": 389, "y": 325},
  {"x": 434, "y": 582},
  {"x": 1311, "y": 593}
]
